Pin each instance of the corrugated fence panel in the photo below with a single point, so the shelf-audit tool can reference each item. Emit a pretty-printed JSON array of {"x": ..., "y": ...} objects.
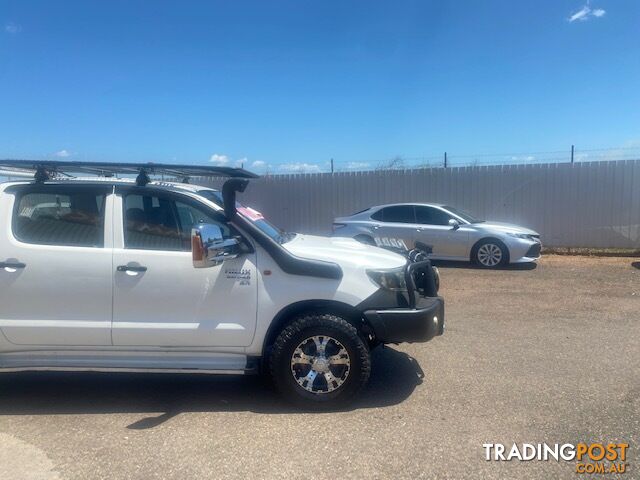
[{"x": 594, "y": 204}]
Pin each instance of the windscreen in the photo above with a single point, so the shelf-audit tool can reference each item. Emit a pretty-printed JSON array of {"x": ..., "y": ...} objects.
[
  {"x": 252, "y": 215},
  {"x": 467, "y": 217}
]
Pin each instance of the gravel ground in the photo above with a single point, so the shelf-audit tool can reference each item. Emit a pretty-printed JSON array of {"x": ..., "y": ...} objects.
[{"x": 547, "y": 354}]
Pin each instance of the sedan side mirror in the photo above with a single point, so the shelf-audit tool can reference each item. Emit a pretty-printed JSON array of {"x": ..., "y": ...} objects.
[
  {"x": 209, "y": 248},
  {"x": 453, "y": 223}
]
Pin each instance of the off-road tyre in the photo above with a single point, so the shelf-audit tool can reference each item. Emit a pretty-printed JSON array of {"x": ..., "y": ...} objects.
[{"x": 286, "y": 374}]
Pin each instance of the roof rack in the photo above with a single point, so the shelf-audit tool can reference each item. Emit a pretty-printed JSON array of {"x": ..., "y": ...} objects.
[{"x": 44, "y": 170}]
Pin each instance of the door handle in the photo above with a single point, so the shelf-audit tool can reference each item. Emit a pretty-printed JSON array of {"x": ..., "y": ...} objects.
[
  {"x": 12, "y": 265},
  {"x": 131, "y": 268}
]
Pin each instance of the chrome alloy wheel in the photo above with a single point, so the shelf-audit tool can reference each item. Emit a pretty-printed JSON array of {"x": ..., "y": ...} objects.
[
  {"x": 489, "y": 255},
  {"x": 320, "y": 364}
]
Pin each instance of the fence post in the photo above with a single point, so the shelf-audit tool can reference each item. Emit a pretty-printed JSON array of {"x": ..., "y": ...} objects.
[
  {"x": 571, "y": 153},
  {"x": 445, "y": 159},
  {"x": 332, "y": 165}
]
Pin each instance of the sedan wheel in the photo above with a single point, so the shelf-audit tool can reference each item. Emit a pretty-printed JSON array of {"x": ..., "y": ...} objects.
[{"x": 490, "y": 255}]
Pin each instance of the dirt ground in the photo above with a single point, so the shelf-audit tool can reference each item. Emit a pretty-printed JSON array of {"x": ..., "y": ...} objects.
[{"x": 531, "y": 354}]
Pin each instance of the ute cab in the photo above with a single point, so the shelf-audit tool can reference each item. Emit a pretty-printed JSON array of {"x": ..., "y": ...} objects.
[{"x": 109, "y": 273}]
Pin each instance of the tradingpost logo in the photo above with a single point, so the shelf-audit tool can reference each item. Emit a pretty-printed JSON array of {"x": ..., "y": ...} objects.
[{"x": 590, "y": 458}]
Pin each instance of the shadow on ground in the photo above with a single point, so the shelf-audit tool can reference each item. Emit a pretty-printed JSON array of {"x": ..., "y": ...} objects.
[
  {"x": 636, "y": 265},
  {"x": 473, "y": 266},
  {"x": 394, "y": 376}
]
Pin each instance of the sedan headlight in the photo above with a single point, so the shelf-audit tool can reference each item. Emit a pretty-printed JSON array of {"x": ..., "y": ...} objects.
[
  {"x": 524, "y": 236},
  {"x": 393, "y": 280}
]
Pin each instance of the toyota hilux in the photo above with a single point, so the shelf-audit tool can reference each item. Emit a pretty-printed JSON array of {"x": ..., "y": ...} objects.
[{"x": 116, "y": 273}]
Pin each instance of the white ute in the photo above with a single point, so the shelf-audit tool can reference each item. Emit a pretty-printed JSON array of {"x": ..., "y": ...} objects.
[{"x": 112, "y": 274}]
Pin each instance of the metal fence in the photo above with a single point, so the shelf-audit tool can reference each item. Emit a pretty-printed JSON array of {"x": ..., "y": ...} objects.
[
  {"x": 594, "y": 204},
  {"x": 572, "y": 154}
]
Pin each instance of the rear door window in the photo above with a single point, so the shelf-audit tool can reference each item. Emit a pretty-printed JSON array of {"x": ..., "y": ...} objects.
[
  {"x": 396, "y": 214},
  {"x": 55, "y": 215}
]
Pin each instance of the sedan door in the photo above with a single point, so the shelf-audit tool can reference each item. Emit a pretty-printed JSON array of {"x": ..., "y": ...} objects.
[
  {"x": 55, "y": 264},
  {"x": 395, "y": 227},
  {"x": 160, "y": 299},
  {"x": 433, "y": 229}
]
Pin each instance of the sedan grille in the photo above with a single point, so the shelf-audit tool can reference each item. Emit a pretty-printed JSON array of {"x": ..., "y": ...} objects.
[{"x": 534, "y": 251}]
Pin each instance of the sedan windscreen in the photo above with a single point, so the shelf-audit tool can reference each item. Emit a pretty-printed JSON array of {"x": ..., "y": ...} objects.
[{"x": 467, "y": 217}]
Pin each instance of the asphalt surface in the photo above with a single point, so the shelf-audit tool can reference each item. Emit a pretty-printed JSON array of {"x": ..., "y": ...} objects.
[{"x": 550, "y": 354}]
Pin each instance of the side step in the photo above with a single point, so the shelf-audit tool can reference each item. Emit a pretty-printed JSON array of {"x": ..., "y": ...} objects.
[{"x": 169, "y": 362}]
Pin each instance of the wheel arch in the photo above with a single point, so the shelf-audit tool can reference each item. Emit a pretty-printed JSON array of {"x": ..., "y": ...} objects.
[
  {"x": 474, "y": 249},
  {"x": 290, "y": 312}
]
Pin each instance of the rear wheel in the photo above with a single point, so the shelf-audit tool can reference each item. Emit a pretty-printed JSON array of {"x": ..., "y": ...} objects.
[
  {"x": 490, "y": 254},
  {"x": 320, "y": 361}
]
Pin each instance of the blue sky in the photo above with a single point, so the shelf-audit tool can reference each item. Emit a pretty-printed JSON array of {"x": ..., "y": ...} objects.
[{"x": 291, "y": 84}]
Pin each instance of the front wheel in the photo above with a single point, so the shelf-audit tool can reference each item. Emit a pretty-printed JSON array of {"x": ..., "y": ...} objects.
[
  {"x": 490, "y": 254},
  {"x": 319, "y": 361}
]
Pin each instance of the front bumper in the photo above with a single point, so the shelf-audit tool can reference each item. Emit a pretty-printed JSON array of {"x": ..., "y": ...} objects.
[
  {"x": 419, "y": 319},
  {"x": 419, "y": 324},
  {"x": 523, "y": 250}
]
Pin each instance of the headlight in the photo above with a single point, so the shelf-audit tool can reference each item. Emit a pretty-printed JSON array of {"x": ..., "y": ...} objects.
[
  {"x": 393, "y": 280},
  {"x": 520, "y": 235}
]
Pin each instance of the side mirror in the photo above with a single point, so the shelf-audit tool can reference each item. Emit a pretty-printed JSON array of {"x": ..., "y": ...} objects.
[
  {"x": 209, "y": 248},
  {"x": 453, "y": 223}
]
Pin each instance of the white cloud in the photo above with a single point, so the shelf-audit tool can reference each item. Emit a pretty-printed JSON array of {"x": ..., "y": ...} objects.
[
  {"x": 582, "y": 14},
  {"x": 219, "y": 160},
  {"x": 585, "y": 13},
  {"x": 12, "y": 28},
  {"x": 523, "y": 158},
  {"x": 259, "y": 164},
  {"x": 357, "y": 165},
  {"x": 63, "y": 153},
  {"x": 300, "y": 167}
]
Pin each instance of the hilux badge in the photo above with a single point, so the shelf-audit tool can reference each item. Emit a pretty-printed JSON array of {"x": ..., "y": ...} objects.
[{"x": 242, "y": 274}]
